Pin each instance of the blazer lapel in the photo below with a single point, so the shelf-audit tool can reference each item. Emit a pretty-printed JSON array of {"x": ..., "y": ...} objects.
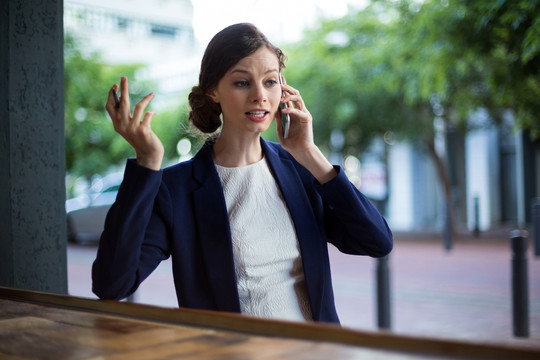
[
  {"x": 214, "y": 233},
  {"x": 304, "y": 221}
]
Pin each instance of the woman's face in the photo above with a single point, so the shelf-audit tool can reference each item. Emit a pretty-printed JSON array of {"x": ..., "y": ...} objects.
[{"x": 249, "y": 93}]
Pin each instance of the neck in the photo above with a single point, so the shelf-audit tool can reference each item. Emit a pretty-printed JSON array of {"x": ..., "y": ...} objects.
[{"x": 232, "y": 151}]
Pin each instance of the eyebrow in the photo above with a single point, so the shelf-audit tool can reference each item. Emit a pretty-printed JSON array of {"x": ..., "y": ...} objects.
[{"x": 248, "y": 72}]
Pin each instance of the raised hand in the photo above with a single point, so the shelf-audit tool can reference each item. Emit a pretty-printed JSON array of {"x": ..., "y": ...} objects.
[
  {"x": 135, "y": 128},
  {"x": 301, "y": 129},
  {"x": 300, "y": 142}
]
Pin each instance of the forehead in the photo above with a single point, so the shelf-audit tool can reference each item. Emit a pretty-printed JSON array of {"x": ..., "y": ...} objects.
[{"x": 263, "y": 59}]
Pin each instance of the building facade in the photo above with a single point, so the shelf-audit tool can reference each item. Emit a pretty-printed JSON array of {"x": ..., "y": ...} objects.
[
  {"x": 155, "y": 33},
  {"x": 493, "y": 172}
]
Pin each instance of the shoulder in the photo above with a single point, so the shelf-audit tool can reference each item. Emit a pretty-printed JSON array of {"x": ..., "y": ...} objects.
[
  {"x": 179, "y": 174},
  {"x": 193, "y": 171},
  {"x": 179, "y": 168}
]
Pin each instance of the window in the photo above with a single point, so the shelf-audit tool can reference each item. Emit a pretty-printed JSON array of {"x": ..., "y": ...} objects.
[{"x": 163, "y": 30}]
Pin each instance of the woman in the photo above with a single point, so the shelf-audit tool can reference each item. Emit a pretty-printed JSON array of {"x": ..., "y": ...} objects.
[{"x": 246, "y": 221}]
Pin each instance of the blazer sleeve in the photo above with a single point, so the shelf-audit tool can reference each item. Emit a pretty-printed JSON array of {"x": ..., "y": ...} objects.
[
  {"x": 353, "y": 224},
  {"x": 134, "y": 239}
]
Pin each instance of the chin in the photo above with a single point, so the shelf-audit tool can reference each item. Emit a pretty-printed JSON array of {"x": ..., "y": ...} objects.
[{"x": 261, "y": 127}]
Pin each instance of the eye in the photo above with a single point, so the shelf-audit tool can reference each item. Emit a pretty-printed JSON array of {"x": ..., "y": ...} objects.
[
  {"x": 271, "y": 83},
  {"x": 242, "y": 83}
]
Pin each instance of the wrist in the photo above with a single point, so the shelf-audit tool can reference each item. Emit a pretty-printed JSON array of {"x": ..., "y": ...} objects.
[
  {"x": 317, "y": 164},
  {"x": 150, "y": 162}
]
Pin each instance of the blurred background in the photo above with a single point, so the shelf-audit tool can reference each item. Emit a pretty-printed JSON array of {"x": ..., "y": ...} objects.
[{"x": 432, "y": 108}]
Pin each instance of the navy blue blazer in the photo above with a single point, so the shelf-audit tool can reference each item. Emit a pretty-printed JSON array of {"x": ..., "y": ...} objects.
[{"x": 180, "y": 211}]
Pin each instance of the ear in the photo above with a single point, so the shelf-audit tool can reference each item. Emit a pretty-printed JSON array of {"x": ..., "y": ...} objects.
[{"x": 212, "y": 94}]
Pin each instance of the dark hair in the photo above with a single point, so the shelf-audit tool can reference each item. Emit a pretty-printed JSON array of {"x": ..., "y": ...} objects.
[{"x": 225, "y": 50}]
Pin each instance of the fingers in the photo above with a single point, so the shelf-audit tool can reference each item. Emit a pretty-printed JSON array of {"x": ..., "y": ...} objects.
[
  {"x": 292, "y": 96},
  {"x": 297, "y": 109},
  {"x": 289, "y": 89},
  {"x": 115, "y": 101},
  {"x": 141, "y": 106},
  {"x": 124, "y": 93},
  {"x": 118, "y": 107},
  {"x": 147, "y": 118},
  {"x": 110, "y": 104}
]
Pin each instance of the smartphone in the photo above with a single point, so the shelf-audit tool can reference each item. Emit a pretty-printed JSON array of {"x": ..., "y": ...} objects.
[
  {"x": 285, "y": 118},
  {"x": 116, "y": 100}
]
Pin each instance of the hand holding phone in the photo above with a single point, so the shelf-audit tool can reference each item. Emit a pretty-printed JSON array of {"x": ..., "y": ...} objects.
[{"x": 285, "y": 118}]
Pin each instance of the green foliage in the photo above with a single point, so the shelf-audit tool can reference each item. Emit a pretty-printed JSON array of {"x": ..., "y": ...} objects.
[
  {"x": 396, "y": 64},
  {"x": 347, "y": 72},
  {"x": 505, "y": 35}
]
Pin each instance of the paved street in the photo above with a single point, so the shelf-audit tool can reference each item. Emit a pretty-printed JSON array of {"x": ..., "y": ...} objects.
[{"x": 464, "y": 293}]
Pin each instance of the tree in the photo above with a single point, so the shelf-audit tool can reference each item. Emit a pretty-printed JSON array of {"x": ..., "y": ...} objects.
[
  {"x": 351, "y": 81},
  {"x": 505, "y": 35},
  {"x": 398, "y": 65},
  {"x": 467, "y": 55}
]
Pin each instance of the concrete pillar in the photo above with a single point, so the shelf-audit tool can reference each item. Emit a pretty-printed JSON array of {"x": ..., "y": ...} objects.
[{"x": 32, "y": 150}]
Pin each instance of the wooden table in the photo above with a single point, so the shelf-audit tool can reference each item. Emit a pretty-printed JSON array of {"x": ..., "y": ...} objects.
[{"x": 36, "y": 325}]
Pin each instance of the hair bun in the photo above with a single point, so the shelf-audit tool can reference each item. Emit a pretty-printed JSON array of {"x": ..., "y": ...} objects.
[
  {"x": 197, "y": 98},
  {"x": 204, "y": 113}
]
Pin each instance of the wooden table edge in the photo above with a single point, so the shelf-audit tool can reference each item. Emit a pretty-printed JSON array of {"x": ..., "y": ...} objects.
[{"x": 383, "y": 340}]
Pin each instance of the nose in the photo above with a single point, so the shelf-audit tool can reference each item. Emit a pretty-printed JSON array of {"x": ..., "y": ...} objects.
[{"x": 258, "y": 94}]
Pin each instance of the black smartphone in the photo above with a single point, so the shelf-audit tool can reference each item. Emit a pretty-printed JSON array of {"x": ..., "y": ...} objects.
[
  {"x": 116, "y": 100},
  {"x": 285, "y": 118}
]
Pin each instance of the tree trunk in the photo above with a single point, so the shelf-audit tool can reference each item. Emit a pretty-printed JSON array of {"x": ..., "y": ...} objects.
[{"x": 445, "y": 181}]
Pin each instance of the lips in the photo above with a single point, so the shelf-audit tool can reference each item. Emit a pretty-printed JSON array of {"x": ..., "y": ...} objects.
[{"x": 257, "y": 115}]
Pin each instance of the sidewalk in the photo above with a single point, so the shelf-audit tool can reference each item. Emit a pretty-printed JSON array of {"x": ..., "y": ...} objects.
[{"x": 464, "y": 293}]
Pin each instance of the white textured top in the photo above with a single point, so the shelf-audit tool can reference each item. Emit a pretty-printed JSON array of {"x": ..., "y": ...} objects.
[{"x": 268, "y": 265}]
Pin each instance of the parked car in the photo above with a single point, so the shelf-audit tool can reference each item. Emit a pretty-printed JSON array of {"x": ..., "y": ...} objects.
[{"x": 86, "y": 214}]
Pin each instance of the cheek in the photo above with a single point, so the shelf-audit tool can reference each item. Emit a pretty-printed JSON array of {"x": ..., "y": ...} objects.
[
  {"x": 232, "y": 101},
  {"x": 273, "y": 101},
  {"x": 275, "y": 98}
]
